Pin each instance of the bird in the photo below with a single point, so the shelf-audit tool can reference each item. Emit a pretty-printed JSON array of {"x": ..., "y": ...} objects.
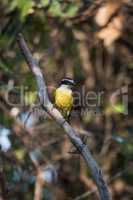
[{"x": 64, "y": 96}]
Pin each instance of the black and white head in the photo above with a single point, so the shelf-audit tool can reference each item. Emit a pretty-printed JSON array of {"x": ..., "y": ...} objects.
[{"x": 67, "y": 82}]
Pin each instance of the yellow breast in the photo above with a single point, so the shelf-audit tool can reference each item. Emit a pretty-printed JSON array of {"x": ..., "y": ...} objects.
[{"x": 64, "y": 98}]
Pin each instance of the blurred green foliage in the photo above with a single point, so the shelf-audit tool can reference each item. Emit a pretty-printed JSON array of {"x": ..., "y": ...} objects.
[{"x": 56, "y": 8}]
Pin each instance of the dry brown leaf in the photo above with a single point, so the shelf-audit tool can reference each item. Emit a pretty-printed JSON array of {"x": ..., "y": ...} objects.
[
  {"x": 112, "y": 32},
  {"x": 105, "y": 12},
  {"x": 119, "y": 185}
]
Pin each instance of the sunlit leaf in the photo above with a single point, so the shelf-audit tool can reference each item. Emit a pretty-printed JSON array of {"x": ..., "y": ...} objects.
[
  {"x": 71, "y": 11},
  {"x": 23, "y": 5},
  {"x": 119, "y": 108},
  {"x": 20, "y": 153},
  {"x": 30, "y": 97},
  {"x": 55, "y": 9},
  {"x": 44, "y": 2}
]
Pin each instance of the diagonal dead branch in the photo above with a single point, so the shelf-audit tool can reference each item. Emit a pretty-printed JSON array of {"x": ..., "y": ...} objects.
[{"x": 55, "y": 114}]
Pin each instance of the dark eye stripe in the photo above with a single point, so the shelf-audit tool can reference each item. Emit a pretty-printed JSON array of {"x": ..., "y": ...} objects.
[{"x": 67, "y": 82}]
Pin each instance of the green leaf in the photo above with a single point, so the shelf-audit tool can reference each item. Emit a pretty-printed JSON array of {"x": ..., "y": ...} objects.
[
  {"x": 20, "y": 153},
  {"x": 13, "y": 5},
  {"x": 25, "y": 8},
  {"x": 71, "y": 11},
  {"x": 119, "y": 108},
  {"x": 55, "y": 9},
  {"x": 44, "y": 2},
  {"x": 30, "y": 98},
  {"x": 23, "y": 5}
]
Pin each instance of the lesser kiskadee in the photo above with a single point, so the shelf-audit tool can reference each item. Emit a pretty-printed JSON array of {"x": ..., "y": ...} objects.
[{"x": 64, "y": 96}]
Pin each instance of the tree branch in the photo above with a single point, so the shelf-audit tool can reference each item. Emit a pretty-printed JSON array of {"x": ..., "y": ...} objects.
[
  {"x": 55, "y": 114},
  {"x": 39, "y": 185}
]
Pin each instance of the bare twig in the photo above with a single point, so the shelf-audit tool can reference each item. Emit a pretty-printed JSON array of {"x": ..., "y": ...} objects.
[
  {"x": 90, "y": 192},
  {"x": 39, "y": 185},
  {"x": 55, "y": 114}
]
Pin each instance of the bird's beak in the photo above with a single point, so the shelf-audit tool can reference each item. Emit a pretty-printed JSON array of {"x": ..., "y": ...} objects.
[{"x": 74, "y": 84}]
